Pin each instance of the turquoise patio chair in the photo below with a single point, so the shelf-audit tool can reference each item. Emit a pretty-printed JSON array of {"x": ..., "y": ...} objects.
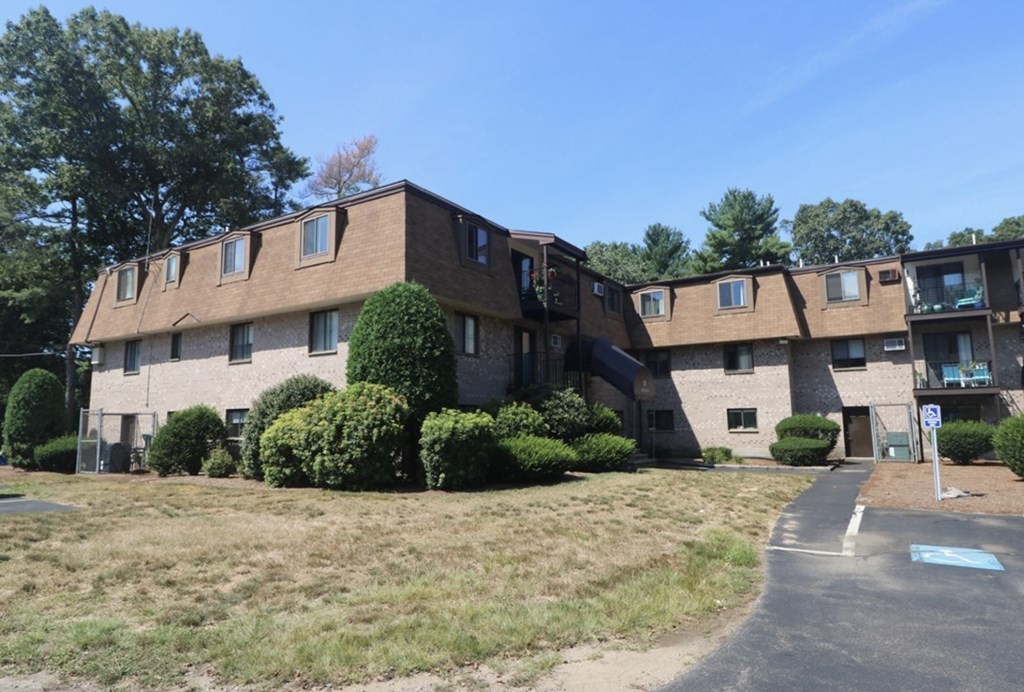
[
  {"x": 980, "y": 376},
  {"x": 970, "y": 301},
  {"x": 951, "y": 376}
]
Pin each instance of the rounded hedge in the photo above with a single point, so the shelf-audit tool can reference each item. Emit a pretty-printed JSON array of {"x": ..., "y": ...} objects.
[
  {"x": 800, "y": 451},
  {"x": 717, "y": 455},
  {"x": 34, "y": 414},
  {"x": 514, "y": 419},
  {"x": 279, "y": 450},
  {"x": 566, "y": 414},
  {"x": 531, "y": 458},
  {"x": 603, "y": 420},
  {"x": 963, "y": 441},
  {"x": 456, "y": 449},
  {"x": 599, "y": 452},
  {"x": 810, "y": 426},
  {"x": 219, "y": 464},
  {"x": 59, "y": 455},
  {"x": 185, "y": 440},
  {"x": 271, "y": 403},
  {"x": 1008, "y": 441}
]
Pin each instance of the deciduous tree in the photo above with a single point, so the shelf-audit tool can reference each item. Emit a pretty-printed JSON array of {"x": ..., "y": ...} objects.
[
  {"x": 968, "y": 236},
  {"x": 347, "y": 171},
  {"x": 1009, "y": 228},
  {"x": 844, "y": 231}
]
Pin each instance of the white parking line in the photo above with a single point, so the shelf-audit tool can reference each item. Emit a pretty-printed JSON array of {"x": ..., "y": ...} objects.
[{"x": 851, "y": 530}]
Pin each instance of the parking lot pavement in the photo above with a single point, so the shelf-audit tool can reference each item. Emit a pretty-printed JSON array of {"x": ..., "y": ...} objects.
[
  {"x": 903, "y": 609},
  {"x": 12, "y": 504}
]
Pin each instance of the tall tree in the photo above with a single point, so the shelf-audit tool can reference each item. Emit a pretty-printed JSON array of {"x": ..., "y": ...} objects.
[
  {"x": 665, "y": 252},
  {"x": 617, "y": 260},
  {"x": 347, "y": 171},
  {"x": 968, "y": 236},
  {"x": 1009, "y": 228},
  {"x": 744, "y": 233},
  {"x": 845, "y": 231}
]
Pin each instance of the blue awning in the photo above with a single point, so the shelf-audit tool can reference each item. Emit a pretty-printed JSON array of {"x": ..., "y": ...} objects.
[{"x": 609, "y": 362}]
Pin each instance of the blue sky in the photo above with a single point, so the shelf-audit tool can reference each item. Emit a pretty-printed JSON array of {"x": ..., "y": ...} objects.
[{"x": 594, "y": 119}]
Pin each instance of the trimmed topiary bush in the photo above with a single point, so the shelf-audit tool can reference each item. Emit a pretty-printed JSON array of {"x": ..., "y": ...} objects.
[
  {"x": 59, "y": 455},
  {"x": 811, "y": 426},
  {"x": 456, "y": 449},
  {"x": 963, "y": 441},
  {"x": 514, "y": 419},
  {"x": 599, "y": 452},
  {"x": 530, "y": 458},
  {"x": 603, "y": 420},
  {"x": 566, "y": 414},
  {"x": 717, "y": 455},
  {"x": 271, "y": 403},
  {"x": 1008, "y": 441},
  {"x": 34, "y": 414},
  {"x": 219, "y": 464},
  {"x": 279, "y": 450},
  {"x": 800, "y": 451},
  {"x": 185, "y": 440}
]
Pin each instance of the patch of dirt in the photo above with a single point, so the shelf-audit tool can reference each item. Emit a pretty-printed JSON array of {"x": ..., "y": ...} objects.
[{"x": 994, "y": 488}]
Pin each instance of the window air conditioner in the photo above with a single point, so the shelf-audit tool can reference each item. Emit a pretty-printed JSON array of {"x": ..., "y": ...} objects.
[
  {"x": 97, "y": 355},
  {"x": 598, "y": 288},
  {"x": 897, "y": 344},
  {"x": 889, "y": 275}
]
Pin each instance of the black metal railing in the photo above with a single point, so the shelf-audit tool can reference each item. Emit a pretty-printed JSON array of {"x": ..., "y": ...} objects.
[{"x": 533, "y": 368}]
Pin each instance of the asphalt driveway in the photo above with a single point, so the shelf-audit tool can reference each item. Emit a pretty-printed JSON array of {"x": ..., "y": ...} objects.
[{"x": 852, "y": 608}]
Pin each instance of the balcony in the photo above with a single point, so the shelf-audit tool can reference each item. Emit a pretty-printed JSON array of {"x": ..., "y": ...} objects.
[
  {"x": 526, "y": 369},
  {"x": 558, "y": 298},
  {"x": 946, "y": 299},
  {"x": 956, "y": 378}
]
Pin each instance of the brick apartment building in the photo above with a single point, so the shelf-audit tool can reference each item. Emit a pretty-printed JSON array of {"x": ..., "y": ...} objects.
[{"x": 716, "y": 359}]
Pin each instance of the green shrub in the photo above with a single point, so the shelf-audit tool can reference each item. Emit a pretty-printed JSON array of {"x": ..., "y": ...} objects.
[
  {"x": 600, "y": 452},
  {"x": 717, "y": 455},
  {"x": 530, "y": 458},
  {"x": 34, "y": 414},
  {"x": 271, "y": 403},
  {"x": 514, "y": 419},
  {"x": 533, "y": 395},
  {"x": 963, "y": 441},
  {"x": 456, "y": 449},
  {"x": 1008, "y": 442},
  {"x": 185, "y": 440},
  {"x": 800, "y": 451},
  {"x": 219, "y": 464},
  {"x": 279, "y": 445},
  {"x": 811, "y": 426},
  {"x": 566, "y": 413},
  {"x": 603, "y": 420},
  {"x": 59, "y": 455}
]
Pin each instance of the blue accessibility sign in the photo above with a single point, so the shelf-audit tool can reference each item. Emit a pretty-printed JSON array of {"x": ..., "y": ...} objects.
[{"x": 931, "y": 416}]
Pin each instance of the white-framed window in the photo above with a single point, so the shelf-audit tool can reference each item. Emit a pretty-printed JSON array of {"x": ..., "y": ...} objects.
[
  {"x": 738, "y": 357},
  {"x": 235, "y": 419},
  {"x": 176, "y": 346},
  {"x": 652, "y": 303},
  {"x": 732, "y": 294},
  {"x": 240, "y": 346},
  {"x": 467, "y": 333},
  {"x": 741, "y": 418},
  {"x": 171, "y": 265},
  {"x": 126, "y": 284},
  {"x": 477, "y": 244},
  {"x": 848, "y": 353},
  {"x": 233, "y": 260},
  {"x": 314, "y": 236},
  {"x": 323, "y": 331},
  {"x": 132, "y": 356},
  {"x": 842, "y": 286},
  {"x": 613, "y": 299}
]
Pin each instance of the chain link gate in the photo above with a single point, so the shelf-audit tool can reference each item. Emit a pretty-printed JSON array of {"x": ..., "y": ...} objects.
[{"x": 114, "y": 442}]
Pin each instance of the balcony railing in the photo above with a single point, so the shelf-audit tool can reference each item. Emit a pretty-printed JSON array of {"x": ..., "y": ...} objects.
[
  {"x": 558, "y": 296},
  {"x": 954, "y": 375},
  {"x": 532, "y": 368},
  {"x": 948, "y": 299}
]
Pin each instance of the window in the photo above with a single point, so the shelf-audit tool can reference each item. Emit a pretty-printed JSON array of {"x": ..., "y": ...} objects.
[
  {"x": 742, "y": 418},
  {"x": 172, "y": 269},
  {"x": 323, "y": 331},
  {"x": 660, "y": 420},
  {"x": 176, "y": 346},
  {"x": 132, "y": 356},
  {"x": 659, "y": 362},
  {"x": 235, "y": 419},
  {"x": 613, "y": 299},
  {"x": 467, "y": 334},
  {"x": 126, "y": 284},
  {"x": 848, "y": 353},
  {"x": 732, "y": 294},
  {"x": 941, "y": 284},
  {"x": 738, "y": 357},
  {"x": 314, "y": 236},
  {"x": 477, "y": 244},
  {"x": 241, "y": 343},
  {"x": 842, "y": 286},
  {"x": 234, "y": 256},
  {"x": 652, "y": 303}
]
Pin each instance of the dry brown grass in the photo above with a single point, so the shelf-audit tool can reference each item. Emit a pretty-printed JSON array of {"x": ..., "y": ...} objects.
[{"x": 268, "y": 586}]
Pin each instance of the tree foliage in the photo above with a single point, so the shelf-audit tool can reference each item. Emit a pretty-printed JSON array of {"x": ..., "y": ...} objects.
[
  {"x": 34, "y": 415},
  {"x": 743, "y": 233},
  {"x": 347, "y": 171},
  {"x": 617, "y": 260},
  {"x": 1009, "y": 228},
  {"x": 968, "y": 236},
  {"x": 845, "y": 231},
  {"x": 664, "y": 254}
]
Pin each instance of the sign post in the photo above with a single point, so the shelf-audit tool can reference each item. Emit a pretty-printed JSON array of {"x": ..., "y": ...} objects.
[{"x": 931, "y": 417}]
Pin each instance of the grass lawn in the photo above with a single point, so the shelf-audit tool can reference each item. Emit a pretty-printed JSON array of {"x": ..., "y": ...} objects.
[{"x": 146, "y": 578}]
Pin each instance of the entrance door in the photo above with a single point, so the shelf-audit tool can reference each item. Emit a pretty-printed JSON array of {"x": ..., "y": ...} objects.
[
  {"x": 524, "y": 365},
  {"x": 857, "y": 431}
]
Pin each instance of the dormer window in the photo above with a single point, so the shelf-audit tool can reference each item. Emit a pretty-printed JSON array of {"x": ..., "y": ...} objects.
[
  {"x": 477, "y": 244},
  {"x": 126, "y": 284},
  {"x": 652, "y": 303},
  {"x": 314, "y": 236},
  {"x": 843, "y": 286},
  {"x": 233, "y": 259},
  {"x": 732, "y": 294},
  {"x": 171, "y": 274}
]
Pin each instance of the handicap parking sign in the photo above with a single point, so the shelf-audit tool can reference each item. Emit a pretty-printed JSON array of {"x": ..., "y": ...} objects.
[{"x": 931, "y": 416}]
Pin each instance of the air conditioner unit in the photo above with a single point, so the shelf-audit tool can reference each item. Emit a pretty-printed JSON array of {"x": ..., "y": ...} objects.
[
  {"x": 887, "y": 276},
  {"x": 97, "y": 355},
  {"x": 598, "y": 288},
  {"x": 556, "y": 341},
  {"x": 897, "y": 344}
]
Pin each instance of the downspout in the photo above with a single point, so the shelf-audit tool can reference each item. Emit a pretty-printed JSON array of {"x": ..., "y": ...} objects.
[
  {"x": 547, "y": 299},
  {"x": 579, "y": 333}
]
